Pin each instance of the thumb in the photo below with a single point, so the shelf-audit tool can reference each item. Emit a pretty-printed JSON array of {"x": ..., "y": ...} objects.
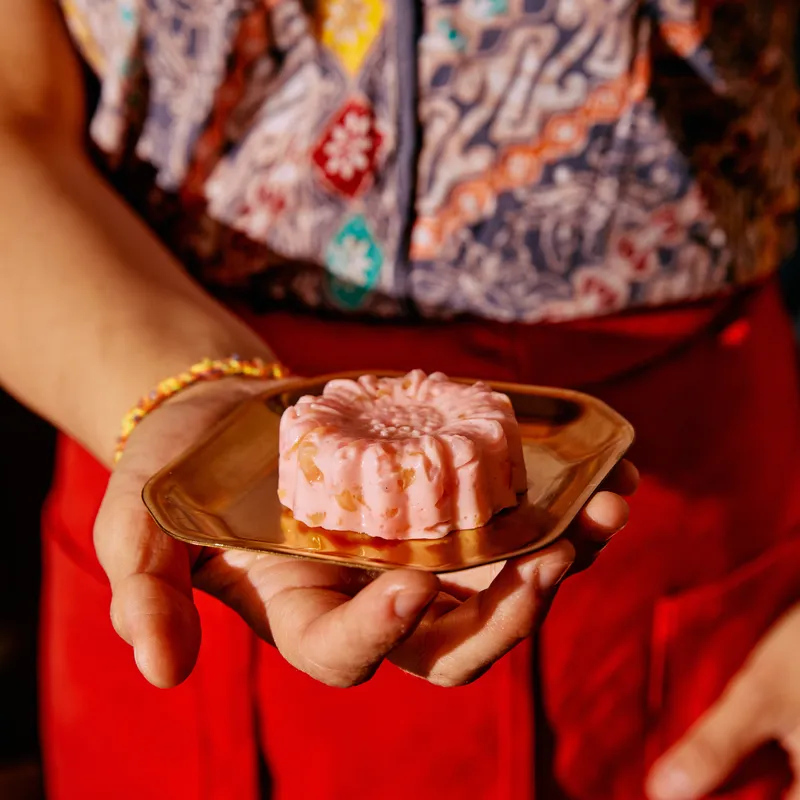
[
  {"x": 152, "y": 606},
  {"x": 710, "y": 751}
]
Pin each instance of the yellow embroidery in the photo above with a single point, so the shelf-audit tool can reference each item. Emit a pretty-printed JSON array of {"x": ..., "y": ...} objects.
[
  {"x": 349, "y": 27},
  {"x": 83, "y": 37}
]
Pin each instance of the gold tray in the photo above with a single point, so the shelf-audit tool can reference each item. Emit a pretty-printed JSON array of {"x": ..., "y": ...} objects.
[{"x": 223, "y": 492}]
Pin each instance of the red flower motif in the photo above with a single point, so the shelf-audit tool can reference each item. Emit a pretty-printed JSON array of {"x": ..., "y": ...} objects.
[{"x": 346, "y": 155}]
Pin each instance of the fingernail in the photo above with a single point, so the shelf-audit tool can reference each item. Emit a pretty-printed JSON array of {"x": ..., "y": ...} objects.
[
  {"x": 551, "y": 573},
  {"x": 671, "y": 783},
  {"x": 409, "y": 603}
]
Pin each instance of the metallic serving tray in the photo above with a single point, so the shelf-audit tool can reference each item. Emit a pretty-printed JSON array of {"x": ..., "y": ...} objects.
[{"x": 223, "y": 491}]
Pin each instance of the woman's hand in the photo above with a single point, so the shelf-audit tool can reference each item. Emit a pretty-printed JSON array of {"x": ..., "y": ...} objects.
[
  {"x": 337, "y": 624},
  {"x": 761, "y": 704}
]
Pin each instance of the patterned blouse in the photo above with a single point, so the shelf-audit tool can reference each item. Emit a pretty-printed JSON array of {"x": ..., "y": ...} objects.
[{"x": 512, "y": 159}]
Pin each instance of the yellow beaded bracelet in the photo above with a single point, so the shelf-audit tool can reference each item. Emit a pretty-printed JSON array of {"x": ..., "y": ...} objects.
[{"x": 205, "y": 370}]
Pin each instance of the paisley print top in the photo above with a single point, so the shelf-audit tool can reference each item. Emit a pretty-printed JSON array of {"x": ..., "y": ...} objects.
[{"x": 513, "y": 159}]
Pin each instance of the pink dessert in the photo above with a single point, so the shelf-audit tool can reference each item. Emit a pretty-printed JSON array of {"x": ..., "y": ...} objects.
[{"x": 400, "y": 458}]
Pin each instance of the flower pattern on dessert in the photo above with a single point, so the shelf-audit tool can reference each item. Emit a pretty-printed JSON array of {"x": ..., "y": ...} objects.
[{"x": 409, "y": 457}]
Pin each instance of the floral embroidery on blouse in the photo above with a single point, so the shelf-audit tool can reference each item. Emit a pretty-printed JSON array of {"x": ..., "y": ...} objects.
[{"x": 515, "y": 159}]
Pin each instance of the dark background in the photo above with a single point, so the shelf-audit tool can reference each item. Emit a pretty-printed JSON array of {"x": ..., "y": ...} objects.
[{"x": 26, "y": 447}]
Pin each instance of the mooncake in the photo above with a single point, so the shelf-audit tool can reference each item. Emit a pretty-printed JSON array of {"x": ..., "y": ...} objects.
[{"x": 407, "y": 457}]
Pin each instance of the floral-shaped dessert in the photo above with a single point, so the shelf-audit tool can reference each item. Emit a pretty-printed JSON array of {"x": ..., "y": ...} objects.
[{"x": 400, "y": 458}]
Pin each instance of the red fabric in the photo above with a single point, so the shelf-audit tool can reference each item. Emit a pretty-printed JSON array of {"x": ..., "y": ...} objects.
[{"x": 634, "y": 649}]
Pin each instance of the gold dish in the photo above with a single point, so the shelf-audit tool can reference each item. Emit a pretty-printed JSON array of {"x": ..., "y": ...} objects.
[{"x": 223, "y": 492}]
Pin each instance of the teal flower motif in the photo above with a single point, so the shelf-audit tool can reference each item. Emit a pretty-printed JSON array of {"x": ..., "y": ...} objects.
[
  {"x": 488, "y": 9},
  {"x": 452, "y": 35},
  {"x": 354, "y": 263},
  {"x": 128, "y": 14}
]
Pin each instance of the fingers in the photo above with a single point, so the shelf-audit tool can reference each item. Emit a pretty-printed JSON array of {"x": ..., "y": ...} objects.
[
  {"x": 463, "y": 585},
  {"x": 607, "y": 512},
  {"x": 455, "y": 644},
  {"x": 603, "y": 516},
  {"x": 308, "y": 612},
  {"x": 152, "y": 607},
  {"x": 718, "y": 742},
  {"x": 343, "y": 643},
  {"x": 162, "y": 625},
  {"x": 623, "y": 479}
]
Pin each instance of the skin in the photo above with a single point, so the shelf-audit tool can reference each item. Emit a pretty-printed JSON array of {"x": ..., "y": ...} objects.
[{"x": 760, "y": 705}]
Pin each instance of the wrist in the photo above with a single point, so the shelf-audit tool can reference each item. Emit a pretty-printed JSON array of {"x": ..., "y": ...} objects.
[
  {"x": 160, "y": 353},
  {"x": 207, "y": 371}
]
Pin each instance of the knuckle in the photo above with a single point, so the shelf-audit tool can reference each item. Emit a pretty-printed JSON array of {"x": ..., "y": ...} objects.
[
  {"x": 447, "y": 681},
  {"x": 335, "y": 678},
  {"x": 336, "y": 681}
]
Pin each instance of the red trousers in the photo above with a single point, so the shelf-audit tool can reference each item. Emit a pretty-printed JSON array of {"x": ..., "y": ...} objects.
[{"x": 633, "y": 651}]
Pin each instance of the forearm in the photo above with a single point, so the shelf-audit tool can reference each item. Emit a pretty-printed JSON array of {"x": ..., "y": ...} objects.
[{"x": 93, "y": 310}]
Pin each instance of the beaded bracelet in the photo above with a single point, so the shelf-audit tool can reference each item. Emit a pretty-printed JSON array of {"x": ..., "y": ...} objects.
[{"x": 205, "y": 370}]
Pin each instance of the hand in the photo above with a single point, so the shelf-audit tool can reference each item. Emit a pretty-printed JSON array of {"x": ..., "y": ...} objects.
[
  {"x": 482, "y": 613},
  {"x": 761, "y": 704},
  {"x": 334, "y": 623}
]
